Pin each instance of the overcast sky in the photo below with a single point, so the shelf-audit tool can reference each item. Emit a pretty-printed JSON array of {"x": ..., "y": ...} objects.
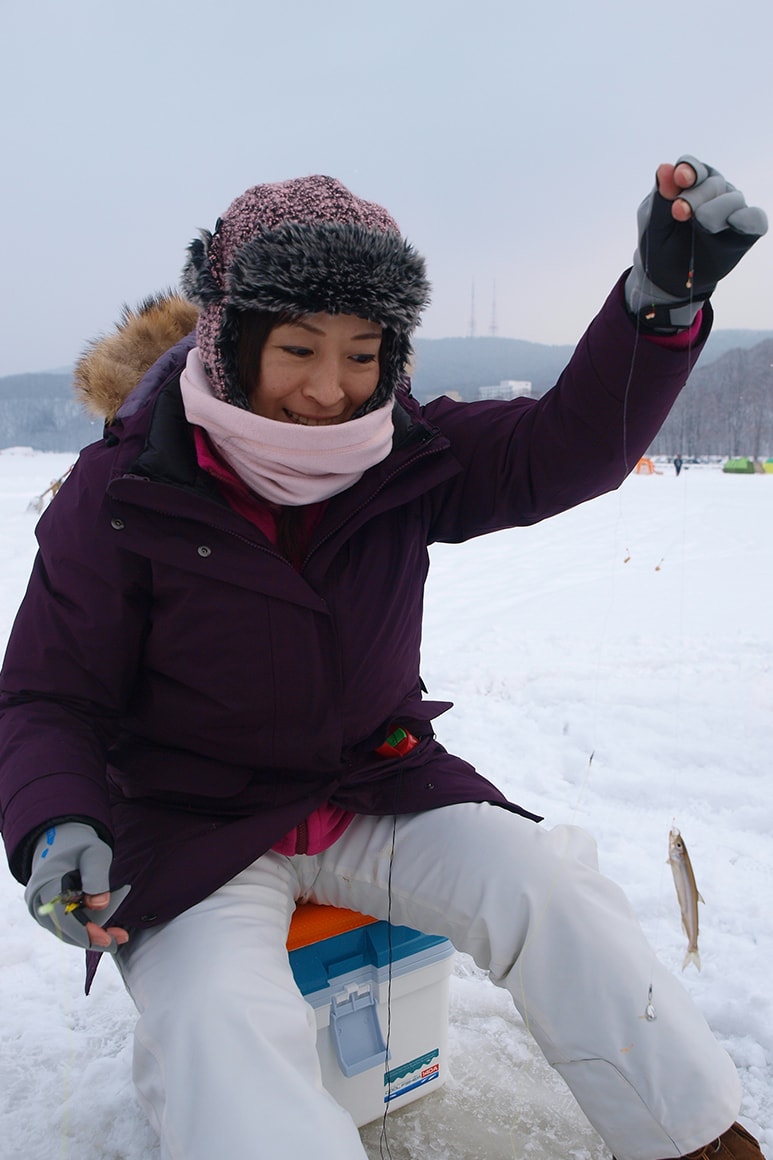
[{"x": 512, "y": 141}]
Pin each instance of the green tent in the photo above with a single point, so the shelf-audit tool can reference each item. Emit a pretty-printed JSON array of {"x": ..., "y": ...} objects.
[{"x": 740, "y": 466}]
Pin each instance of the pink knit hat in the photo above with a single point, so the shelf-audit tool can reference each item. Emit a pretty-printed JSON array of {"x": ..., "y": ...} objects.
[{"x": 298, "y": 247}]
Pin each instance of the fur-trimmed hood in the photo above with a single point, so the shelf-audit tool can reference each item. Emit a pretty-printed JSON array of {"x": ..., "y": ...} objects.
[{"x": 113, "y": 365}]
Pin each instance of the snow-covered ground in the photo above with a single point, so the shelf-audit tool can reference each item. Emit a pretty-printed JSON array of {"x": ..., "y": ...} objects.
[{"x": 611, "y": 668}]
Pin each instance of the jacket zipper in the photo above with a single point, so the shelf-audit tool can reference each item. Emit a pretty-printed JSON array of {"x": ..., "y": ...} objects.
[
  {"x": 302, "y": 837},
  {"x": 356, "y": 511}
]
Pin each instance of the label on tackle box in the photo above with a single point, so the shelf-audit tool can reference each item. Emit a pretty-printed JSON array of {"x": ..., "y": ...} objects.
[{"x": 411, "y": 1075}]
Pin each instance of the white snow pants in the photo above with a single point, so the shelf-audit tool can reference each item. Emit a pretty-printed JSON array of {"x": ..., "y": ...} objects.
[{"x": 224, "y": 1058}]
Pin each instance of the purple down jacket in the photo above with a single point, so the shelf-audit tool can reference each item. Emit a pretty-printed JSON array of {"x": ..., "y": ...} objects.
[{"x": 176, "y": 681}]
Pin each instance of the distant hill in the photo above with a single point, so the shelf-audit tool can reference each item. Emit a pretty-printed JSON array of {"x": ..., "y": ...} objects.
[
  {"x": 721, "y": 341},
  {"x": 39, "y": 385},
  {"x": 464, "y": 364},
  {"x": 39, "y": 410}
]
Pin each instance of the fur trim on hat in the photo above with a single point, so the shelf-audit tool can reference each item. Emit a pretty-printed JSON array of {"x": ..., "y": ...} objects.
[
  {"x": 301, "y": 247},
  {"x": 330, "y": 268}
]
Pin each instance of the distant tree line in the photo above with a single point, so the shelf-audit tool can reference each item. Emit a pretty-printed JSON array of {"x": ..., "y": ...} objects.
[
  {"x": 726, "y": 408},
  {"x": 42, "y": 412}
]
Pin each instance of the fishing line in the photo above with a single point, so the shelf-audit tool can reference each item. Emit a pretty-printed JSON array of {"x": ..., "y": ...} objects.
[
  {"x": 383, "y": 1141},
  {"x": 664, "y": 885},
  {"x": 66, "y": 1011},
  {"x": 651, "y": 1009},
  {"x": 689, "y": 286},
  {"x": 648, "y": 1008}
]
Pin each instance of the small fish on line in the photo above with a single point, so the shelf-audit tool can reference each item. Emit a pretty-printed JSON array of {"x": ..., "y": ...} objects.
[{"x": 687, "y": 892}]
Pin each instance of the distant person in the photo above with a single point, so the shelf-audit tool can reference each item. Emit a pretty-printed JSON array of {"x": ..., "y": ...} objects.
[
  {"x": 678, "y": 464},
  {"x": 211, "y": 693}
]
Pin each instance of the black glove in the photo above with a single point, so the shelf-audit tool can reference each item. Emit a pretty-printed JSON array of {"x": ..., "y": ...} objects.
[
  {"x": 677, "y": 264},
  {"x": 71, "y": 860}
]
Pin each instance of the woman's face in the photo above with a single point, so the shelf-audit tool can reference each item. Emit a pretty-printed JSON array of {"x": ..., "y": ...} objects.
[{"x": 317, "y": 370}]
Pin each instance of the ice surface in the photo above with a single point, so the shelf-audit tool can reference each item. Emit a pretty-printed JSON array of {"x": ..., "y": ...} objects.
[{"x": 612, "y": 668}]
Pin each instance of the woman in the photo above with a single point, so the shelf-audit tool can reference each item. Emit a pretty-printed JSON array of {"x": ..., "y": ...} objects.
[{"x": 212, "y": 704}]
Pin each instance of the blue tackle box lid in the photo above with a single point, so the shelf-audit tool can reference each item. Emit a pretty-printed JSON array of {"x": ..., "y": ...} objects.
[{"x": 368, "y": 950}]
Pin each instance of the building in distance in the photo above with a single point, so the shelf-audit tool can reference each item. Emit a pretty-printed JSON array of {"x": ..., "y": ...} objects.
[{"x": 506, "y": 389}]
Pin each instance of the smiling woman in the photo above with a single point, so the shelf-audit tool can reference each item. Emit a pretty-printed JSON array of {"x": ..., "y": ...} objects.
[{"x": 317, "y": 370}]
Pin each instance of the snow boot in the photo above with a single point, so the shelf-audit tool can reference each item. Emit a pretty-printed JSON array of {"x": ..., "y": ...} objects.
[{"x": 734, "y": 1144}]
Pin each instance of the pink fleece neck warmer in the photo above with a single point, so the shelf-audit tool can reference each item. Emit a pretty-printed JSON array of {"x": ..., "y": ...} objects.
[{"x": 286, "y": 463}]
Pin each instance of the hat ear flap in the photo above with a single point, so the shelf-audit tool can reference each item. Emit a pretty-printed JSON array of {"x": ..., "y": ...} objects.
[
  {"x": 197, "y": 281},
  {"x": 395, "y": 356}
]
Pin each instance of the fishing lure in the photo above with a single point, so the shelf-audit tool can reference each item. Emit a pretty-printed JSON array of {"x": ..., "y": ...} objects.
[{"x": 70, "y": 899}]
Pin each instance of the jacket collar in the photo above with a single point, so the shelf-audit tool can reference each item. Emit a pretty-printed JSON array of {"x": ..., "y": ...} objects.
[{"x": 167, "y": 457}]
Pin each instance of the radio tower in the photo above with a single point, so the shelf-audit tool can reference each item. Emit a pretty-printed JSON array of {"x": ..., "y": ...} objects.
[
  {"x": 494, "y": 310},
  {"x": 472, "y": 310}
]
